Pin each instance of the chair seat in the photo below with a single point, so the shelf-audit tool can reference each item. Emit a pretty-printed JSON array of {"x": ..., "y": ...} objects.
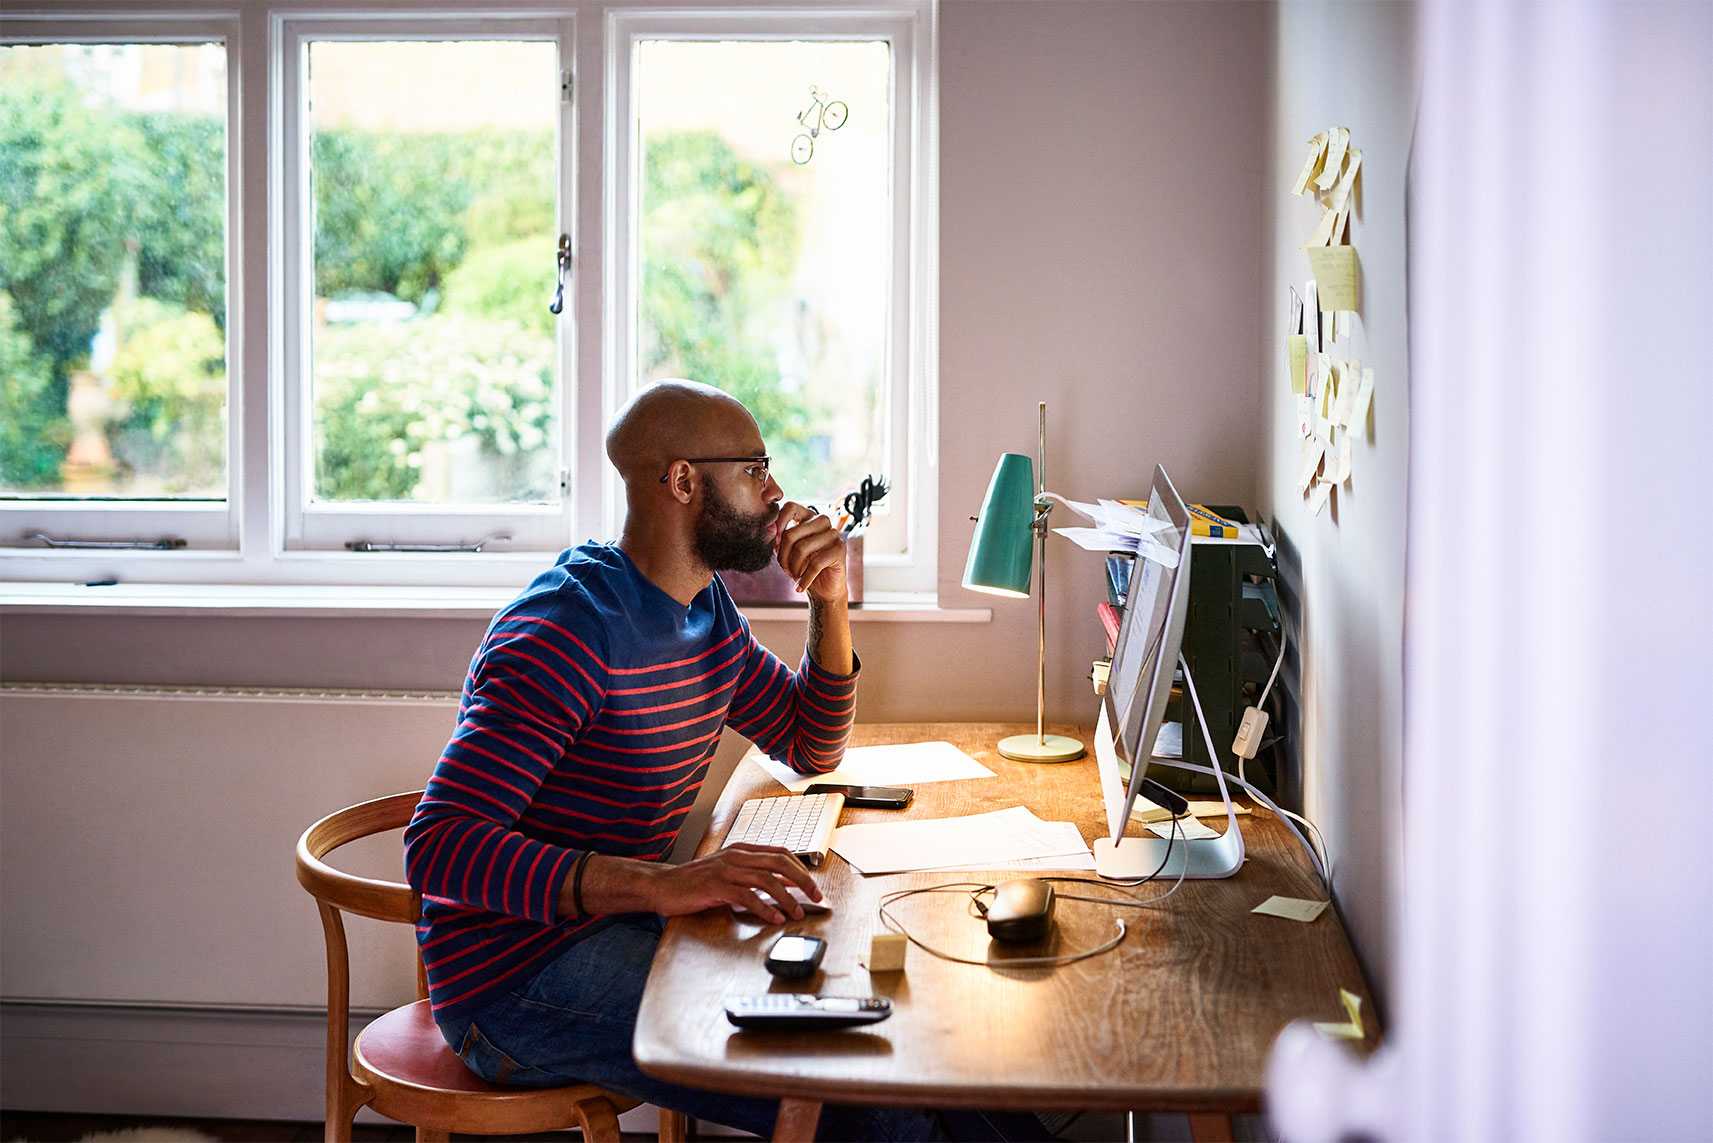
[
  {"x": 416, "y": 1078},
  {"x": 405, "y": 1046}
]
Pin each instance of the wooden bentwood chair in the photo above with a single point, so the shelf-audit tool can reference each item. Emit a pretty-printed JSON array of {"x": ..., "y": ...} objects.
[{"x": 400, "y": 1065}]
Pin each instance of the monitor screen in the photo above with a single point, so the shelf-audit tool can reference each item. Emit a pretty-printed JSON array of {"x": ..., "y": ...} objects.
[{"x": 1145, "y": 655}]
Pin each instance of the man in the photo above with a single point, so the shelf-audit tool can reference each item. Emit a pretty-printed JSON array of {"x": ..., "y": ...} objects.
[{"x": 588, "y": 719}]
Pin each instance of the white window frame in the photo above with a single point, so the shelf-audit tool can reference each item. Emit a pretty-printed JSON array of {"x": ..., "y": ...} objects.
[
  {"x": 308, "y": 526},
  {"x": 206, "y": 524},
  {"x": 254, "y": 538},
  {"x": 911, "y": 384}
]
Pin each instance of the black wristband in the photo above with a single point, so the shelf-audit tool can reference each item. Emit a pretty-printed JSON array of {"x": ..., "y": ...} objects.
[{"x": 577, "y": 883}]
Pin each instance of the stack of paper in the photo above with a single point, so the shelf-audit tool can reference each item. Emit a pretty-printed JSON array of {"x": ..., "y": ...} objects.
[
  {"x": 980, "y": 841},
  {"x": 902, "y": 764},
  {"x": 1120, "y": 528}
]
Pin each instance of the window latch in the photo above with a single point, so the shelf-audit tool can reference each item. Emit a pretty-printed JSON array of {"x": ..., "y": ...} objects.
[
  {"x": 564, "y": 260},
  {"x": 371, "y": 546},
  {"x": 165, "y": 544}
]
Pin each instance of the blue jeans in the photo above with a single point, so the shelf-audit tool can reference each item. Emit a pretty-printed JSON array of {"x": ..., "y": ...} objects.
[{"x": 573, "y": 1023}]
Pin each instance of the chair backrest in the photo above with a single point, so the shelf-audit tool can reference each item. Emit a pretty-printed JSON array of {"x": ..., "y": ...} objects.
[
  {"x": 337, "y": 892},
  {"x": 365, "y": 896}
]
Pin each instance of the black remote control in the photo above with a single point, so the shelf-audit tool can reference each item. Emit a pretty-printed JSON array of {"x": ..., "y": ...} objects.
[{"x": 802, "y": 1012}]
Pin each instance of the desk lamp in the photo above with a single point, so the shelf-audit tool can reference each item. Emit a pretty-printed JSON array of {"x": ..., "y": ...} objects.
[{"x": 1014, "y": 513}]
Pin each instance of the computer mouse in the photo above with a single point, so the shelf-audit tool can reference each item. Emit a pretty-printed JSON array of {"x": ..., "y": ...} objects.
[{"x": 1021, "y": 911}]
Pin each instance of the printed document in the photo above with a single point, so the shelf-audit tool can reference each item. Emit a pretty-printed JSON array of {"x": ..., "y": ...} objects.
[
  {"x": 901, "y": 764},
  {"x": 978, "y": 841}
]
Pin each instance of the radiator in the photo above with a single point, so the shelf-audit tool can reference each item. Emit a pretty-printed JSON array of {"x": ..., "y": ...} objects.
[{"x": 147, "y": 837}]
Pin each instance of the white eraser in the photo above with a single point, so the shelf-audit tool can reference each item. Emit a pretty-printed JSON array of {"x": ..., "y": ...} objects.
[
  {"x": 886, "y": 952},
  {"x": 1249, "y": 733}
]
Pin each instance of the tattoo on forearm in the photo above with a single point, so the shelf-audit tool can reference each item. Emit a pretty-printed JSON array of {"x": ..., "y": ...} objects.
[{"x": 815, "y": 630}]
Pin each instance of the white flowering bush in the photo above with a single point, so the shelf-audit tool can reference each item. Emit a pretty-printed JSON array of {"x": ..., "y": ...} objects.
[{"x": 387, "y": 394}]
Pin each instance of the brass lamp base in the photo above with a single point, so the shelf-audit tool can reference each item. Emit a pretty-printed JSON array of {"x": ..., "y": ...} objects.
[{"x": 1041, "y": 748}]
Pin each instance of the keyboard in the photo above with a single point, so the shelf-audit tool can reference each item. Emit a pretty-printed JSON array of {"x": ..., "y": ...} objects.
[{"x": 801, "y": 823}]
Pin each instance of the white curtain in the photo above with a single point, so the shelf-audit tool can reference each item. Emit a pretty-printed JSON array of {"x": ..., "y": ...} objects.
[{"x": 1556, "y": 980}]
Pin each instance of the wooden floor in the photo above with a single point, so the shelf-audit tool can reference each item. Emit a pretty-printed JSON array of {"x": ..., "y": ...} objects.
[{"x": 46, "y": 1127}]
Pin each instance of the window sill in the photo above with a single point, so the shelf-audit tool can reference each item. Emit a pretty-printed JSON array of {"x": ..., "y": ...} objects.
[{"x": 279, "y": 601}]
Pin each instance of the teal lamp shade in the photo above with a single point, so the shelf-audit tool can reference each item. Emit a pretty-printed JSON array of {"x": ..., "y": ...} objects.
[{"x": 1001, "y": 552}]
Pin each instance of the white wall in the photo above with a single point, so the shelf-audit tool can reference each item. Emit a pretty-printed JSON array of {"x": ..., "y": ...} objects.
[{"x": 1348, "y": 65}]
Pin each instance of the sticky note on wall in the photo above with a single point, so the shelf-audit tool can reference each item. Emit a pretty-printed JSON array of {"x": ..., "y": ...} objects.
[
  {"x": 1298, "y": 347},
  {"x": 1334, "y": 276}
]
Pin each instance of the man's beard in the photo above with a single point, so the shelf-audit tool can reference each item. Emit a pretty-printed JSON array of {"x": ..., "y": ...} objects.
[{"x": 729, "y": 541}]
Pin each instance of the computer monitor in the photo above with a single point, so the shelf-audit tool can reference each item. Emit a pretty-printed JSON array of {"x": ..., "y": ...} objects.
[{"x": 1138, "y": 686}]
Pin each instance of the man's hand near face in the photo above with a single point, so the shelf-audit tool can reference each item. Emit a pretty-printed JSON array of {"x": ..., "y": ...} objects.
[{"x": 812, "y": 553}]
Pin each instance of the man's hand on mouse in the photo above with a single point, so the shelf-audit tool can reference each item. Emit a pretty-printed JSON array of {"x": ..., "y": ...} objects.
[
  {"x": 757, "y": 878},
  {"x": 812, "y": 552}
]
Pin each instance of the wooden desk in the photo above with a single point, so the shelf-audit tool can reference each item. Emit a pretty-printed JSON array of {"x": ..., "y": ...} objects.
[{"x": 1178, "y": 1018}]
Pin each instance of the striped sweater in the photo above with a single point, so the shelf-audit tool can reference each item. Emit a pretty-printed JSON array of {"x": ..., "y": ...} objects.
[{"x": 587, "y": 721}]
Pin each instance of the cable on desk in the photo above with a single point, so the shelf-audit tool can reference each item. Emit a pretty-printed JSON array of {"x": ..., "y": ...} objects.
[{"x": 975, "y": 889}]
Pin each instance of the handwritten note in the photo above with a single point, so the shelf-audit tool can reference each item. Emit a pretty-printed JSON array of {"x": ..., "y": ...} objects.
[
  {"x": 1335, "y": 276},
  {"x": 1364, "y": 396},
  {"x": 1298, "y": 347},
  {"x": 1335, "y": 152}
]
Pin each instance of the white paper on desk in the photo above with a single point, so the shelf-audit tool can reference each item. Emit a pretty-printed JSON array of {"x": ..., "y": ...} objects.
[
  {"x": 900, "y": 764},
  {"x": 1056, "y": 864},
  {"x": 937, "y": 843},
  {"x": 1192, "y": 830}
]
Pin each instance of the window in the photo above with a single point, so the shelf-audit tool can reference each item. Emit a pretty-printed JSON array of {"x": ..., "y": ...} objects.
[
  {"x": 114, "y": 350},
  {"x": 768, "y": 180},
  {"x": 310, "y": 338},
  {"x": 423, "y": 379}
]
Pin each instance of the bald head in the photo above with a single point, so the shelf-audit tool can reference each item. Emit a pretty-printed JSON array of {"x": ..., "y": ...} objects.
[{"x": 677, "y": 420}]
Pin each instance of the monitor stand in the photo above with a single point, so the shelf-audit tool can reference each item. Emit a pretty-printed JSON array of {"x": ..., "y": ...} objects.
[{"x": 1133, "y": 858}]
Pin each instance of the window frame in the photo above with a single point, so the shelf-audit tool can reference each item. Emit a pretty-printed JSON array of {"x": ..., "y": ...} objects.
[
  {"x": 911, "y": 383},
  {"x": 204, "y": 524},
  {"x": 304, "y": 526},
  {"x": 254, "y": 541}
]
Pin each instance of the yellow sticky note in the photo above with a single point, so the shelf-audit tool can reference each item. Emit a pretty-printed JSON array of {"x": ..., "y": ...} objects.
[
  {"x": 1313, "y": 451},
  {"x": 1318, "y": 498},
  {"x": 1347, "y": 180},
  {"x": 1364, "y": 396},
  {"x": 1297, "y": 346},
  {"x": 1311, "y": 167},
  {"x": 1322, "y": 234},
  {"x": 1351, "y": 1029},
  {"x": 1334, "y": 276},
  {"x": 1335, "y": 152},
  {"x": 1291, "y": 908}
]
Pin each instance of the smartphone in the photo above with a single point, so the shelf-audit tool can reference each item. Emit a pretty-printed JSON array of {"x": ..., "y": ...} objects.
[
  {"x": 877, "y": 797},
  {"x": 795, "y": 955}
]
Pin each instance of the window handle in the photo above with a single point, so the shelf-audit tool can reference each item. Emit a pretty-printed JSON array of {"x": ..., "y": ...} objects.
[
  {"x": 557, "y": 305},
  {"x": 166, "y": 544},
  {"x": 371, "y": 546}
]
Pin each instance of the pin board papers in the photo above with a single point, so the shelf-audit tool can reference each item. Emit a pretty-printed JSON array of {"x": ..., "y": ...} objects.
[{"x": 1332, "y": 391}]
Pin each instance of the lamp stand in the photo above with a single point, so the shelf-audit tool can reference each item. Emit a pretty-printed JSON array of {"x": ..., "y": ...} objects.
[{"x": 1041, "y": 746}]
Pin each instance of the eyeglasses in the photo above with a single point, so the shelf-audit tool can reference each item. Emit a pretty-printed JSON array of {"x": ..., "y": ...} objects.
[{"x": 756, "y": 471}]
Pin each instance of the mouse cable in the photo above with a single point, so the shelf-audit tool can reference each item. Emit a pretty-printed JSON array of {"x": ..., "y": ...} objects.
[
  {"x": 1177, "y": 832},
  {"x": 894, "y": 925}
]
